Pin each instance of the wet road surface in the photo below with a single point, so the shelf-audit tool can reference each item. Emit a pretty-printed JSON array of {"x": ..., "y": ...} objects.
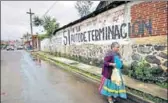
[{"x": 25, "y": 79}]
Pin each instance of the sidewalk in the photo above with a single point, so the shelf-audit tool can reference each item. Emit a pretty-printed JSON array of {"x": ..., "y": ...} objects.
[{"x": 152, "y": 89}]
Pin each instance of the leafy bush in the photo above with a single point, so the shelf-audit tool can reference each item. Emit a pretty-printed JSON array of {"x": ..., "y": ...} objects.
[
  {"x": 125, "y": 69},
  {"x": 143, "y": 72}
]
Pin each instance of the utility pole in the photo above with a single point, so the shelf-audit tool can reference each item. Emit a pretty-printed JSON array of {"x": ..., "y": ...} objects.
[
  {"x": 31, "y": 27},
  {"x": 30, "y": 13},
  {"x": 27, "y": 36}
]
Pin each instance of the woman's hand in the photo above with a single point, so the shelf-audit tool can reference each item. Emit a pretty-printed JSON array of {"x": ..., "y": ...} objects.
[{"x": 112, "y": 64}]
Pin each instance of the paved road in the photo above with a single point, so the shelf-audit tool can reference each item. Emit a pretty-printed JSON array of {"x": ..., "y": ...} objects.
[{"x": 25, "y": 79}]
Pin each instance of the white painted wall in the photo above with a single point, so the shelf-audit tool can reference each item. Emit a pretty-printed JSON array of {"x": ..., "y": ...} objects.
[{"x": 115, "y": 16}]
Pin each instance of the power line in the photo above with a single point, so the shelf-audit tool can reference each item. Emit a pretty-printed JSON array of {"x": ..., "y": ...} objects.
[{"x": 50, "y": 8}]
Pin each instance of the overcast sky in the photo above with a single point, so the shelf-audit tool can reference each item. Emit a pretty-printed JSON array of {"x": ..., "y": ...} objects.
[{"x": 15, "y": 22}]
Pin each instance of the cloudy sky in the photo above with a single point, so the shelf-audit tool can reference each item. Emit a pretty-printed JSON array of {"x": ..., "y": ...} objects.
[{"x": 15, "y": 22}]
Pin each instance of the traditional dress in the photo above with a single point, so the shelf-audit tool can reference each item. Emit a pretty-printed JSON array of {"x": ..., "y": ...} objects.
[{"x": 107, "y": 87}]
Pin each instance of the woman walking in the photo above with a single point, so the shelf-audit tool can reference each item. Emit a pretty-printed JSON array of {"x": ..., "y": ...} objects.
[{"x": 108, "y": 87}]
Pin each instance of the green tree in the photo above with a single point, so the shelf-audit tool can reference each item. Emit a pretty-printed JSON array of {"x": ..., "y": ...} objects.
[
  {"x": 83, "y": 7},
  {"x": 49, "y": 24},
  {"x": 42, "y": 36},
  {"x": 26, "y": 36},
  {"x": 37, "y": 21}
]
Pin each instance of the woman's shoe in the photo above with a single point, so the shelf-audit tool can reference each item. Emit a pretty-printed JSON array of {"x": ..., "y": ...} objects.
[{"x": 114, "y": 99}]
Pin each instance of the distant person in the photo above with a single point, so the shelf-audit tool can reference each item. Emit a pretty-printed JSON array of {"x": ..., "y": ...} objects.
[{"x": 107, "y": 87}]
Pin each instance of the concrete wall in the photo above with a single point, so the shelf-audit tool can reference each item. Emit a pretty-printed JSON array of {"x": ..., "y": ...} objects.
[{"x": 140, "y": 28}]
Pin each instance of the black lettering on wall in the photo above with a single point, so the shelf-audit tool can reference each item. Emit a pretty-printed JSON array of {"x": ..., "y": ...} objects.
[
  {"x": 101, "y": 32},
  {"x": 69, "y": 39},
  {"x": 141, "y": 29},
  {"x": 79, "y": 35},
  {"x": 148, "y": 26},
  {"x": 77, "y": 39},
  {"x": 117, "y": 32},
  {"x": 65, "y": 38},
  {"x": 82, "y": 37},
  {"x": 97, "y": 35},
  {"x": 93, "y": 35},
  {"x": 121, "y": 30},
  {"x": 113, "y": 32},
  {"x": 133, "y": 27},
  {"x": 89, "y": 32},
  {"x": 106, "y": 35},
  {"x": 85, "y": 40},
  {"x": 110, "y": 31},
  {"x": 72, "y": 38},
  {"x": 78, "y": 29}
]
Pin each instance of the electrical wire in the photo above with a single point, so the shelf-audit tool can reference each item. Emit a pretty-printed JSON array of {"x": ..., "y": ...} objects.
[{"x": 50, "y": 8}]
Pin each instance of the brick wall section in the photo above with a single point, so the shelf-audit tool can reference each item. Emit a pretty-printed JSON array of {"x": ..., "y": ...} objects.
[{"x": 155, "y": 11}]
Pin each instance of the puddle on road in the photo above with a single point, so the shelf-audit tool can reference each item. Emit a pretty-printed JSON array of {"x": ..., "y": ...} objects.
[
  {"x": 37, "y": 60},
  {"x": 53, "y": 69}
]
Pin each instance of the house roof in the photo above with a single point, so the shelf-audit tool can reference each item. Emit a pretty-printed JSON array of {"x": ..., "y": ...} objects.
[
  {"x": 102, "y": 4},
  {"x": 102, "y": 7}
]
